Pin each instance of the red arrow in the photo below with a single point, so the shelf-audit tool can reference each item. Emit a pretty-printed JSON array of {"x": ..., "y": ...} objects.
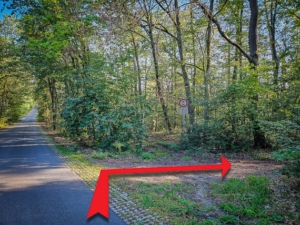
[{"x": 100, "y": 202}]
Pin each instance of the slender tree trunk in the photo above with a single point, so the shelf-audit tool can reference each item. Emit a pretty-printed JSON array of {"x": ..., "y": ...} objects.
[
  {"x": 253, "y": 31},
  {"x": 138, "y": 66},
  {"x": 158, "y": 84},
  {"x": 208, "y": 66},
  {"x": 53, "y": 95},
  {"x": 240, "y": 41},
  {"x": 271, "y": 22},
  {"x": 237, "y": 54},
  {"x": 229, "y": 67},
  {"x": 194, "y": 48},
  {"x": 183, "y": 65}
]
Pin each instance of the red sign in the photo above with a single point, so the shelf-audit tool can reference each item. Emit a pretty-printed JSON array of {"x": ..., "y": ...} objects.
[
  {"x": 183, "y": 103},
  {"x": 100, "y": 201}
]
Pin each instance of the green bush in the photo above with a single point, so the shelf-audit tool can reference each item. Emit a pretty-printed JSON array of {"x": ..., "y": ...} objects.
[
  {"x": 105, "y": 118},
  {"x": 286, "y": 154}
]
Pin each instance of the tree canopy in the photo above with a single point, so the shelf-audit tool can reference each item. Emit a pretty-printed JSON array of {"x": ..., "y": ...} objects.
[{"x": 108, "y": 73}]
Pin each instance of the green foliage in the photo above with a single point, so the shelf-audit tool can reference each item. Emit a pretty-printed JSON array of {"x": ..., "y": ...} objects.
[
  {"x": 169, "y": 198},
  {"x": 102, "y": 117},
  {"x": 292, "y": 169},
  {"x": 228, "y": 219},
  {"x": 244, "y": 198},
  {"x": 286, "y": 154},
  {"x": 170, "y": 145},
  {"x": 282, "y": 134},
  {"x": 147, "y": 156},
  {"x": 186, "y": 158},
  {"x": 207, "y": 222},
  {"x": 160, "y": 153},
  {"x": 99, "y": 155}
]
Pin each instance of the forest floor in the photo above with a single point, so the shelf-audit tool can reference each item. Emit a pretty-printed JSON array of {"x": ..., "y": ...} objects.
[{"x": 253, "y": 192}]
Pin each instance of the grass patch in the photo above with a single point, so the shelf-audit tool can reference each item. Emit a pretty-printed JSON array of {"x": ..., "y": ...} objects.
[
  {"x": 246, "y": 199},
  {"x": 166, "y": 199},
  {"x": 147, "y": 156},
  {"x": 169, "y": 145},
  {"x": 186, "y": 158},
  {"x": 159, "y": 152},
  {"x": 99, "y": 155}
]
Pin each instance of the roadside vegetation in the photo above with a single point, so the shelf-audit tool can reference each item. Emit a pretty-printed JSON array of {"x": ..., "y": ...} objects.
[
  {"x": 107, "y": 76},
  {"x": 252, "y": 199}
]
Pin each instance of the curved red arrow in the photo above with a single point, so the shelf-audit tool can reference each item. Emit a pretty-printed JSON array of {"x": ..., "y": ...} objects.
[{"x": 100, "y": 203}]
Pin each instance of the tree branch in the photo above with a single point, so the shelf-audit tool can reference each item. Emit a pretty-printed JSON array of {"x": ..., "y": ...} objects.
[
  {"x": 222, "y": 33},
  {"x": 189, "y": 64},
  {"x": 164, "y": 29},
  {"x": 166, "y": 10}
]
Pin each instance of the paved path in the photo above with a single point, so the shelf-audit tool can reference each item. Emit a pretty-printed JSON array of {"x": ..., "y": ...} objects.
[{"x": 36, "y": 187}]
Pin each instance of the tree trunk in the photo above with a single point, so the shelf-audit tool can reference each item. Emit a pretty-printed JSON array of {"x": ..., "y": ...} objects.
[
  {"x": 183, "y": 65},
  {"x": 237, "y": 54},
  {"x": 154, "y": 55},
  {"x": 53, "y": 95},
  {"x": 253, "y": 31},
  {"x": 208, "y": 66},
  {"x": 194, "y": 48},
  {"x": 271, "y": 22},
  {"x": 138, "y": 66},
  {"x": 258, "y": 135}
]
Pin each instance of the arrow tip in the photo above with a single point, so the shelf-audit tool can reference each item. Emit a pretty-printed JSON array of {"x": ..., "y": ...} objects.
[{"x": 226, "y": 165}]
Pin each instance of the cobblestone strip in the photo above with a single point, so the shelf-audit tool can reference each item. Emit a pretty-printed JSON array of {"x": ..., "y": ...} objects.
[{"x": 128, "y": 209}]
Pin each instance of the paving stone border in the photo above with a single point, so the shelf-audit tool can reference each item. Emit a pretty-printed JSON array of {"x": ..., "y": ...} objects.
[{"x": 131, "y": 211}]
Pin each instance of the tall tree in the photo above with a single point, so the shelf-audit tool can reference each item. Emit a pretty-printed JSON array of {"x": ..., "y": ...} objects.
[{"x": 175, "y": 19}]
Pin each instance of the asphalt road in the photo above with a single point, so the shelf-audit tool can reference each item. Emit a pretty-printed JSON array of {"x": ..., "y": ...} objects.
[{"x": 36, "y": 187}]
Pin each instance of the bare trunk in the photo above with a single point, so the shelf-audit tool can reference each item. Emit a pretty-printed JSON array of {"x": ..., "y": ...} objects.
[
  {"x": 253, "y": 30},
  {"x": 208, "y": 66},
  {"x": 183, "y": 65},
  {"x": 271, "y": 22},
  {"x": 194, "y": 48},
  {"x": 237, "y": 54},
  {"x": 53, "y": 95},
  {"x": 138, "y": 66},
  {"x": 258, "y": 135},
  {"x": 158, "y": 84}
]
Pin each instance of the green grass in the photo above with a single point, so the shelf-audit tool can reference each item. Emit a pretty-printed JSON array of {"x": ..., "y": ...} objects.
[
  {"x": 169, "y": 145},
  {"x": 186, "y": 158},
  {"x": 160, "y": 153},
  {"x": 147, "y": 156},
  {"x": 240, "y": 201},
  {"x": 246, "y": 199},
  {"x": 167, "y": 199},
  {"x": 99, "y": 155}
]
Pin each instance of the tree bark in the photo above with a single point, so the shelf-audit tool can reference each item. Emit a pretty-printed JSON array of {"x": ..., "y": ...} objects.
[
  {"x": 138, "y": 66},
  {"x": 53, "y": 95},
  {"x": 237, "y": 54},
  {"x": 183, "y": 65},
  {"x": 271, "y": 22},
  {"x": 253, "y": 31},
  {"x": 208, "y": 66},
  {"x": 258, "y": 135},
  {"x": 194, "y": 48},
  {"x": 149, "y": 30}
]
